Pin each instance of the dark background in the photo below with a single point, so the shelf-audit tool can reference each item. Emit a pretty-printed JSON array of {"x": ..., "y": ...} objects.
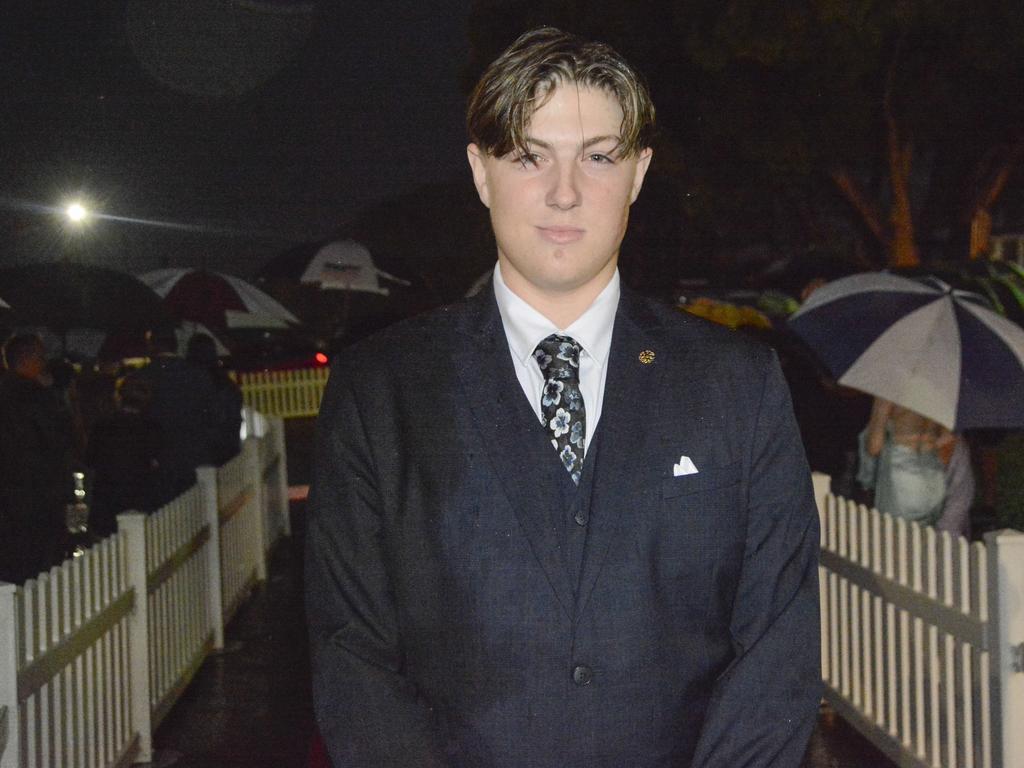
[
  {"x": 235, "y": 131},
  {"x": 242, "y": 127}
]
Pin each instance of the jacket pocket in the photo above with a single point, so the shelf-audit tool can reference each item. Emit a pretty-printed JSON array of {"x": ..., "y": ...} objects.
[{"x": 706, "y": 479}]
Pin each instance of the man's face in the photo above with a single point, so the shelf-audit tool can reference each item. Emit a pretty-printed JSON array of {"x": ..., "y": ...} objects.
[{"x": 560, "y": 212}]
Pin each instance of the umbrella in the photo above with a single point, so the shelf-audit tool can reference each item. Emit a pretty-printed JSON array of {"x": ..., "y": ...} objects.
[
  {"x": 347, "y": 266},
  {"x": 216, "y": 300},
  {"x": 920, "y": 344},
  {"x": 1000, "y": 282},
  {"x": 63, "y": 297}
]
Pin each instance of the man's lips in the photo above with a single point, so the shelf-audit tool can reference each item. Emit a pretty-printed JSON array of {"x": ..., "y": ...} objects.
[{"x": 561, "y": 235}]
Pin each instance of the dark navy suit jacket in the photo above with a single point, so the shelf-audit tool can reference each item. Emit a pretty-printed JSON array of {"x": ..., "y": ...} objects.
[{"x": 446, "y": 628}]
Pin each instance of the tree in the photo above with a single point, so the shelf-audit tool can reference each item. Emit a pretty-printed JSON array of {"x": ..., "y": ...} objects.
[{"x": 910, "y": 107}]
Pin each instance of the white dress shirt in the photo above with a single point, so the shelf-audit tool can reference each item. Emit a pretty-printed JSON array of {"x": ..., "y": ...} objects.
[{"x": 525, "y": 328}]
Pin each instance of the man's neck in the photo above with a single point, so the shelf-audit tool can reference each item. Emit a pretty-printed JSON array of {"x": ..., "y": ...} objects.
[{"x": 563, "y": 308}]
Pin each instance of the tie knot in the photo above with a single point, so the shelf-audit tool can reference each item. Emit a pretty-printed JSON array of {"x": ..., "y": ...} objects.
[{"x": 556, "y": 352}]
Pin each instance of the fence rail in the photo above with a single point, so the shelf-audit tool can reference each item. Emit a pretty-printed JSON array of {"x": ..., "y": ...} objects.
[
  {"x": 94, "y": 653},
  {"x": 918, "y": 630},
  {"x": 288, "y": 394}
]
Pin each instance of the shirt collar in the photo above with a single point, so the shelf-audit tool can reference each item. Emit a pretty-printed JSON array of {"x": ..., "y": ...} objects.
[{"x": 525, "y": 327}]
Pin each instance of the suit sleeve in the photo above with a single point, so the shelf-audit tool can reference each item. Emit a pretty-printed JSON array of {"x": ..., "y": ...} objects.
[
  {"x": 764, "y": 706},
  {"x": 367, "y": 711}
]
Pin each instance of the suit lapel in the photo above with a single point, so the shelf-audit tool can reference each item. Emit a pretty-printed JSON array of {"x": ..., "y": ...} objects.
[
  {"x": 631, "y": 400},
  {"x": 492, "y": 391}
]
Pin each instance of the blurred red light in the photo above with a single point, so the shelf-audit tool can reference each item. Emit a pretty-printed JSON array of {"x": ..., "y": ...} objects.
[{"x": 321, "y": 358}]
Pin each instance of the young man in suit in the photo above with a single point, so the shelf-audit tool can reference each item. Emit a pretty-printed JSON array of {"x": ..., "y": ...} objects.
[{"x": 557, "y": 524}]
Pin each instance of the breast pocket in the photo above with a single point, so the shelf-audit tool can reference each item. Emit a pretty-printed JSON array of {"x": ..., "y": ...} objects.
[
  {"x": 703, "y": 481},
  {"x": 693, "y": 533},
  {"x": 703, "y": 510}
]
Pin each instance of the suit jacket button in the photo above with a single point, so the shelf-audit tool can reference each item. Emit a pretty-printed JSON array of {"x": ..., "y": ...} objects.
[
  {"x": 582, "y": 674},
  {"x": 580, "y": 517}
]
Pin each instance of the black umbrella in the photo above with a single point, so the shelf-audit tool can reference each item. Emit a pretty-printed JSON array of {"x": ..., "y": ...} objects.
[{"x": 65, "y": 296}]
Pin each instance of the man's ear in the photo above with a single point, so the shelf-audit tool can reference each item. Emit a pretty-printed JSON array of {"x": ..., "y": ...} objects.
[
  {"x": 477, "y": 162},
  {"x": 643, "y": 162}
]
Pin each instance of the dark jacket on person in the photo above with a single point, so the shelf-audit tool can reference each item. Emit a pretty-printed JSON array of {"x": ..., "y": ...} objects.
[
  {"x": 184, "y": 404},
  {"x": 36, "y": 445},
  {"x": 123, "y": 454},
  {"x": 470, "y": 607},
  {"x": 227, "y": 431}
]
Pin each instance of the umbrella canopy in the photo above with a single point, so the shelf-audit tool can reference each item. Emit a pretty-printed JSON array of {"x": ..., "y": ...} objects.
[
  {"x": 65, "y": 296},
  {"x": 216, "y": 300},
  {"x": 346, "y": 265},
  {"x": 921, "y": 345},
  {"x": 1000, "y": 282}
]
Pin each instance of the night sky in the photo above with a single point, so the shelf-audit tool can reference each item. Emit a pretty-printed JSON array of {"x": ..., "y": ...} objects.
[{"x": 244, "y": 126}]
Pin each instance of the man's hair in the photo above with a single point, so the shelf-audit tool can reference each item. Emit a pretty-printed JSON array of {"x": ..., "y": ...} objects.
[
  {"x": 202, "y": 350},
  {"x": 21, "y": 348},
  {"x": 522, "y": 79}
]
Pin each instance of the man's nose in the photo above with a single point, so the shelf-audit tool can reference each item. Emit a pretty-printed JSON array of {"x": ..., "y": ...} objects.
[{"x": 564, "y": 192}]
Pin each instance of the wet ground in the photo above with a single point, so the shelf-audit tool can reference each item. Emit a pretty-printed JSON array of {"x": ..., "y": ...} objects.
[{"x": 249, "y": 707}]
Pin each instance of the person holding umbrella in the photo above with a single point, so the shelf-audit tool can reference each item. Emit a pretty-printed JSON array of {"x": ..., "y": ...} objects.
[
  {"x": 940, "y": 363},
  {"x": 903, "y": 464}
]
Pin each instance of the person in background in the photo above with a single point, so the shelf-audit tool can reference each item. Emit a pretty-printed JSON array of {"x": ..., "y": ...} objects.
[
  {"x": 123, "y": 456},
  {"x": 227, "y": 410},
  {"x": 184, "y": 404},
  {"x": 36, "y": 447},
  {"x": 900, "y": 459},
  {"x": 97, "y": 391},
  {"x": 960, "y": 488}
]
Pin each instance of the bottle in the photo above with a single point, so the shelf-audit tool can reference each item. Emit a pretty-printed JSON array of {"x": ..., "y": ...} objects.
[{"x": 76, "y": 520}]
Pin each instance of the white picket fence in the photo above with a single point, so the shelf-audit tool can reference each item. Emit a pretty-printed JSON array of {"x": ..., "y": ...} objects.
[
  {"x": 94, "y": 653},
  {"x": 923, "y": 637}
]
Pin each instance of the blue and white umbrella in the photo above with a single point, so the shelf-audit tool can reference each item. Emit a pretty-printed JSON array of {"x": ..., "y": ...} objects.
[{"x": 919, "y": 344}]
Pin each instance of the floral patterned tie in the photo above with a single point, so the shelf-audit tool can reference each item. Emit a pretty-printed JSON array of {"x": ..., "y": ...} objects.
[{"x": 561, "y": 403}]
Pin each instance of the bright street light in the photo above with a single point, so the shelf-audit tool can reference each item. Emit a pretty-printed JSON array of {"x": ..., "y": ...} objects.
[{"x": 77, "y": 213}]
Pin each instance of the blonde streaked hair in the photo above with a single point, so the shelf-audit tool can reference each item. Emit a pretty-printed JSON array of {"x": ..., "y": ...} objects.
[{"x": 522, "y": 79}]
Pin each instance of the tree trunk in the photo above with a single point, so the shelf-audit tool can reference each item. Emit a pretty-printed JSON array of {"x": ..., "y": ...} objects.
[
  {"x": 869, "y": 211},
  {"x": 980, "y": 218}
]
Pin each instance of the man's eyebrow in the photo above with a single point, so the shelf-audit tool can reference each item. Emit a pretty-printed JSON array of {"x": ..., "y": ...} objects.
[{"x": 531, "y": 141}]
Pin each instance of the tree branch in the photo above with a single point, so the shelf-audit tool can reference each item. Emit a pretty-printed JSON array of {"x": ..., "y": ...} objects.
[{"x": 869, "y": 211}]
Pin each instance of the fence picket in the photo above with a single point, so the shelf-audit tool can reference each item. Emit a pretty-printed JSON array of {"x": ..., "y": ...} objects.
[{"x": 906, "y": 626}]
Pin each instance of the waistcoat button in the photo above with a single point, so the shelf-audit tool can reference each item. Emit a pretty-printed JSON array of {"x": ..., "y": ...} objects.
[{"x": 582, "y": 674}]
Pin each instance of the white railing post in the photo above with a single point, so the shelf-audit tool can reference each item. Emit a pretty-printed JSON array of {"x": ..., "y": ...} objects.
[
  {"x": 1006, "y": 640},
  {"x": 206, "y": 477},
  {"x": 282, "y": 475},
  {"x": 133, "y": 526},
  {"x": 10, "y": 728},
  {"x": 254, "y": 473},
  {"x": 822, "y": 488}
]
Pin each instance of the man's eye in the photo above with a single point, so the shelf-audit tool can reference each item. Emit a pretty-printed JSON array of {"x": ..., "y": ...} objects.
[
  {"x": 600, "y": 158},
  {"x": 527, "y": 159}
]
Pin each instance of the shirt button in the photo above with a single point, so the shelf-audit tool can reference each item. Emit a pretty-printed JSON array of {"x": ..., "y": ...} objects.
[
  {"x": 582, "y": 674},
  {"x": 580, "y": 517}
]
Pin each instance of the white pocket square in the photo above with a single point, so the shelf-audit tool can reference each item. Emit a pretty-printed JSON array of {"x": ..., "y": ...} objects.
[{"x": 684, "y": 467}]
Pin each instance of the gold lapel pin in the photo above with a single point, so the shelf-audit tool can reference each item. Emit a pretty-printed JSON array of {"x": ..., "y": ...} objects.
[{"x": 647, "y": 357}]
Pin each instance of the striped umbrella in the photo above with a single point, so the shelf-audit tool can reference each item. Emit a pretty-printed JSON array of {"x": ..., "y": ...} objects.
[
  {"x": 216, "y": 300},
  {"x": 920, "y": 344}
]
